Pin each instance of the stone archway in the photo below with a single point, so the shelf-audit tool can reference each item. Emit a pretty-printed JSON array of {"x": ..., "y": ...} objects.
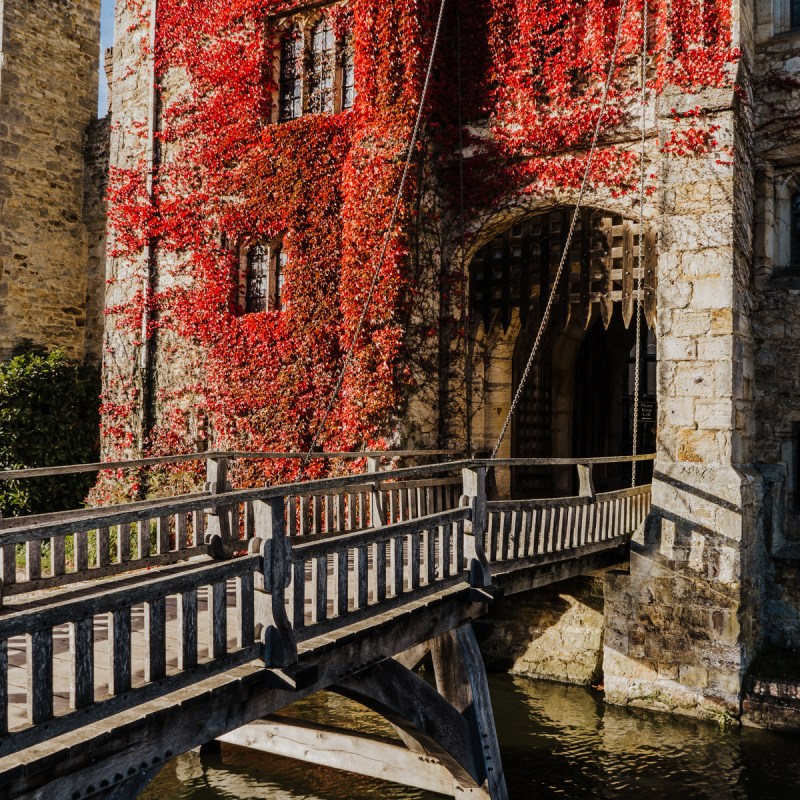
[{"x": 592, "y": 323}]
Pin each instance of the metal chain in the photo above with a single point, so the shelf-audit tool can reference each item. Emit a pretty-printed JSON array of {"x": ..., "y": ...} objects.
[
  {"x": 642, "y": 175},
  {"x": 386, "y": 237},
  {"x": 465, "y": 315},
  {"x": 551, "y": 299}
]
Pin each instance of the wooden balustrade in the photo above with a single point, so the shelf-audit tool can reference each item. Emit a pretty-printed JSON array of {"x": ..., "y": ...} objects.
[
  {"x": 65, "y": 548},
  {"x": 520, "y": 529},
  {"x": 105, "y": 649},
  {"x": 343, "y": 579},
  {"x": 314, "y": 585},
  {"x": 365, "y": 505},
  {"x": 371, "y": 545},
  {"x": 50, "y": 550}
]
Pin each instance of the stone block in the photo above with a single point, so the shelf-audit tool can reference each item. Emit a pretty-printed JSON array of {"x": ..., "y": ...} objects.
[
  {"x": 678, "y": 411},
  {"x": 682, "y": 348},
  {"x": 691, "y": 379},
  {"x": 712, "y": 293},
  {"x": 693, "y": 676},
  {"x": 714, "y": 348},
  {"x": 713, "y": 414}
]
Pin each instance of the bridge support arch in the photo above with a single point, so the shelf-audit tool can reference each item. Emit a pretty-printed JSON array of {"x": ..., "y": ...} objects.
[{"x": 454, "y": 724}]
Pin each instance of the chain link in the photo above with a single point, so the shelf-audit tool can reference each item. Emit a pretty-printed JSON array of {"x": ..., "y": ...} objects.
[
  {"x": 551, "y": 299},
  {"x": 643, "y": 170}
]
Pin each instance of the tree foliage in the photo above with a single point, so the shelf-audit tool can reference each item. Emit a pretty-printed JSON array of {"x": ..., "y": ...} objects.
[{"x": 49, "y": 416}]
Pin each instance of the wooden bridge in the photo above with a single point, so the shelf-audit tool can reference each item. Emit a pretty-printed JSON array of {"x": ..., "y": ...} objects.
[{"x": 130, "y": 634}]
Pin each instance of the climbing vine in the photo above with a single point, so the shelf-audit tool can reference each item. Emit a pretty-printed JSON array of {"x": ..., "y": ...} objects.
[{"x": 531, "y": 74}]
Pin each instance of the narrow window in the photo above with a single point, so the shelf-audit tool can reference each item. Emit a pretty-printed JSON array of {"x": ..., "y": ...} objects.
[
  {"x": 795, "y": 232},
  {"x": 794, "y": 15},
  {"x": 257, "y": 279},
  {"x": 348, "y": 76},
  {"x": 323, "y": 68},
  {"x": 291, "y": 77},
  {"x": 279, "y": 265}
]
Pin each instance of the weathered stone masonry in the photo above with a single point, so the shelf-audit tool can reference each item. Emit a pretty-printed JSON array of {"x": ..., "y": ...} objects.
[
  {"x": 709, "y": 580},
  {"x": 49, "y": 51}
]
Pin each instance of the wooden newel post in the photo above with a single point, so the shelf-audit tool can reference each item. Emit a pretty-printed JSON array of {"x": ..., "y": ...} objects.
[
  {"x": 218, "y": 528},
  {"x": 377, "y": 516},
  {"x": 280, "y": 644},
  {"x": 586, "y": 482},
  {"x": 475, "y": 529}
]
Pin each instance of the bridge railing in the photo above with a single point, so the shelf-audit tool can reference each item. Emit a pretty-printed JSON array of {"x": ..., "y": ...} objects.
[
  {"x": 144, "y": 633},
  {"x": 93, "y": 654},
  {"x": 107, "y": 646},
  {"x": 49, "y": 550},
  {"x": 520, "y": 529}
]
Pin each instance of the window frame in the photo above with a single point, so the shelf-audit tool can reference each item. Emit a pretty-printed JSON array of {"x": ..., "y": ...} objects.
[
  {"x": 304, "y": 25},
  {"x": 292, "y": 36},
  {"x": 273, "y": 278},
  {"x": 320, "y": 76},
  {"x": 347, "y": 65}
]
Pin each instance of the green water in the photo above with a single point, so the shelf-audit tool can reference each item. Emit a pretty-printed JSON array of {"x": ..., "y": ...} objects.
[{"x": 556, "y": 741}]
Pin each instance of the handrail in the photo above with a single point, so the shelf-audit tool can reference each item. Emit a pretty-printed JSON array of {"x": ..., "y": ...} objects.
[
  {"x": 72, "y": 469},
  {"x": 45, "y": 525}
]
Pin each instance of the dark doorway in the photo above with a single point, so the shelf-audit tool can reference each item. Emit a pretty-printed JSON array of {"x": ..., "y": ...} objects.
[
  {"x": 604, "y": 399},
  {"x": 531, "y": 425},
  {"x": 591, "y": 381}
]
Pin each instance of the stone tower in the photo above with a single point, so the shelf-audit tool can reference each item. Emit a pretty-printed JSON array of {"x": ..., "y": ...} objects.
[{"x": 49, "y": 54}]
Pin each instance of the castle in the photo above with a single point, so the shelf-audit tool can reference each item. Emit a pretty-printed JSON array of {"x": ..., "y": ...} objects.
[{"x": 713, "y": 263}]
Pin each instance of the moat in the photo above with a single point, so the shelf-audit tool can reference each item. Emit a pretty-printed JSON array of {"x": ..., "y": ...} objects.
[{"x": 556, "y": 741}]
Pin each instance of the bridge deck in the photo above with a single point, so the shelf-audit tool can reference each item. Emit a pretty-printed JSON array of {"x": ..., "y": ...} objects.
[{"x": 252, "y": 599}]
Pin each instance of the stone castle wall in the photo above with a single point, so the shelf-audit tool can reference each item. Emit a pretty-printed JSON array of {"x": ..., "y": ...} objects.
[
  {"x": 684, "y": 625},
  {"x": 48, "y": 98},
  {"x": 682, "y": 628}
]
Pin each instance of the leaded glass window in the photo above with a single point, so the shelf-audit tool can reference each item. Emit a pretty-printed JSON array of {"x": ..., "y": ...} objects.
[
  {"x": 323, "y": 68},
  {"x": 291, "y": 76},
  {"x": 257, "y": 279},
  {"x": 348, "y": 77}
]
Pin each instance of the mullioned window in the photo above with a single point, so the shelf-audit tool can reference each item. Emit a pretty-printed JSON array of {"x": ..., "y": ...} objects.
[{"x": 315, "y": 72}]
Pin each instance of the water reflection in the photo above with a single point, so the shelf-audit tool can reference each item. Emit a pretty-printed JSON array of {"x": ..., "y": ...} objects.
[{"x": 557, "y": 741}]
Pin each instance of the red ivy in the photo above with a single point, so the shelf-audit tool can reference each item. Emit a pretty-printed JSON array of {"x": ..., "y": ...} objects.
[{"x": 533, "y": 69}]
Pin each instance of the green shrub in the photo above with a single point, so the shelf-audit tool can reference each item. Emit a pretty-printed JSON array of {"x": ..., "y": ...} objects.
[{"x": 49, "y": 416}]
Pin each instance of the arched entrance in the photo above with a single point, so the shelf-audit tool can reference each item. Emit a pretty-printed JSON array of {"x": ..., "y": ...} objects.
[{"x": 578, "y": 399}]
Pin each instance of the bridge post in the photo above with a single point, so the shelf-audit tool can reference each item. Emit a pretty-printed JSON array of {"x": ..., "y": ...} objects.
[
  {"x": 218, "y": 528},
  {"x": 586, "y": 481},
  {"x": 280, "y": 644},
  {"x": 377, "y": 514},
  {"x": 474, "y": 479},
  {"x": 461, "y": 681}
]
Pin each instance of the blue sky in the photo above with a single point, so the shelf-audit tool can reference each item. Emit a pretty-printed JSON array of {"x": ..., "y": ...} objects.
[{"x": 106, "y": 40}]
